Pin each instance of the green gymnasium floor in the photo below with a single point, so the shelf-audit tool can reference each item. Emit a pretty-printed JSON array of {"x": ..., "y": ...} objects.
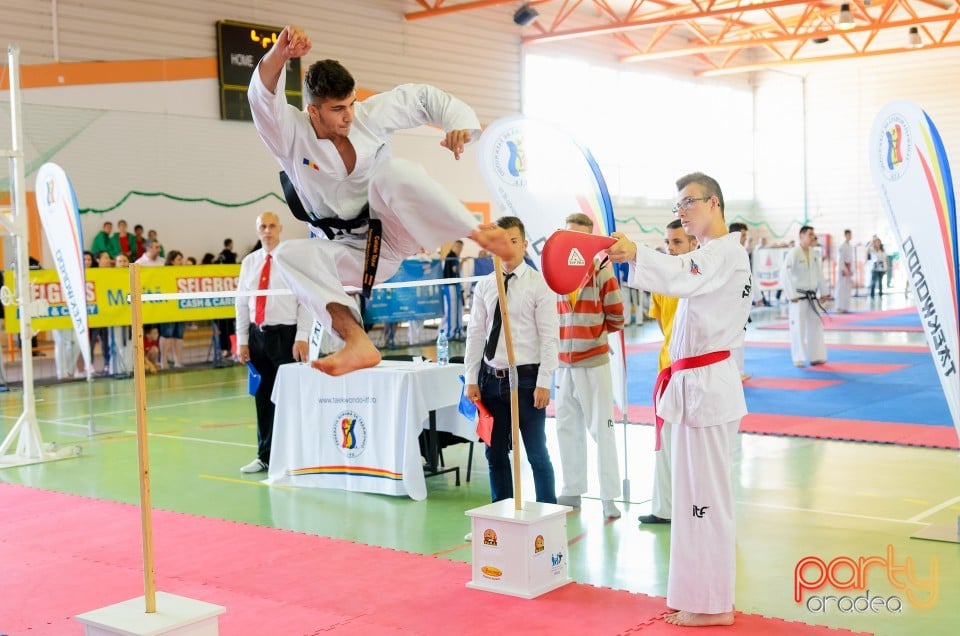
[{"x": 795, "y": 497}]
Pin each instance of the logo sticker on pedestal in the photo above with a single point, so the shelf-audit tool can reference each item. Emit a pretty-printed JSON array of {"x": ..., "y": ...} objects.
[
  {"x": 538, "y": 544},
  {"x": 556, "y": 562},
  {"x": 490, "y": 537}
]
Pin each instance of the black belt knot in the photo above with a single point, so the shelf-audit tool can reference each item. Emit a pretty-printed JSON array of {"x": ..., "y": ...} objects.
[{"x": 333, "y": 227}]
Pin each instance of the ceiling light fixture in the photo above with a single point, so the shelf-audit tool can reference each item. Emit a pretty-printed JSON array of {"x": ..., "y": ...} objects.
[
  {"x": 525, "y": 15},
  {"x": 846, "y": 18},
  {"x": 913, "y": 38}
]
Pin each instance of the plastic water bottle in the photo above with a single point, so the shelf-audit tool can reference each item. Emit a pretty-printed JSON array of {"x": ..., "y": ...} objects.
[{"x": 443, "y": 349}]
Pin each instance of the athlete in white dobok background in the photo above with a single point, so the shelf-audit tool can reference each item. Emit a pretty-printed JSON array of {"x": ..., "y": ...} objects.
[
  {"x": 844, "y": 273},
  {"x": 704, "y": 398},
  {"x": 802, "y": 279}
]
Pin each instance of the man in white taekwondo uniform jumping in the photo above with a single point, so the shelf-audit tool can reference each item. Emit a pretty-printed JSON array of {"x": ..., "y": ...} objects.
[
  {"x": 802, "y": 279},
  {"x": 703, "y": 400},
  {"x": 336, "y": 156}
]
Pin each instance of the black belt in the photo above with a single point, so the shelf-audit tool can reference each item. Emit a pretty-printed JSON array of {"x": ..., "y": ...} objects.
[
  {"x": 810, "y": 295},
  {"x": 269, "y": 328},
  {"x": 522, "y": 369},
  {"x": 342, "y": 227}
]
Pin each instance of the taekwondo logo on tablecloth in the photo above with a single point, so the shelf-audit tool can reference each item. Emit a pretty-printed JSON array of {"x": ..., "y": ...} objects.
[
  {"x": 895, "y": 147},
  {"x": 350, "y": 434},
  {"x": 509, "y": 158}
]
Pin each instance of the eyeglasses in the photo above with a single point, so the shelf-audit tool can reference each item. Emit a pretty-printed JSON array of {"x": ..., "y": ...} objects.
[{"x": 687, "y": 203}]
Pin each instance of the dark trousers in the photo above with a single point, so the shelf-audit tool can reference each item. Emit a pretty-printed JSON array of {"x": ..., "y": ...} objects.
[
  {"x": 102, "y": 335},
  {"x": 495, "y": 395},
  {"x": 226, "y": 327},
  {"x": 269, "y": 348},
  {"x": 876, "y": 282}
]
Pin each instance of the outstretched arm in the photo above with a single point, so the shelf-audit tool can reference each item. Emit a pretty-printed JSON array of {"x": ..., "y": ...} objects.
[{"x": 292, "y": 43}]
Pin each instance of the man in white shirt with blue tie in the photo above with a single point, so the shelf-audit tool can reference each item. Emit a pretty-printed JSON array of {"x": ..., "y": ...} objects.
[
  {"x": 535, "y": 331},
  {"x": 271, "y": 330}
]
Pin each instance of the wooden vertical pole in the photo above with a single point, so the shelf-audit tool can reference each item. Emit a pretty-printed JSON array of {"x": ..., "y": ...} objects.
[
  {"x": 140, "y": 401},
  {"x": 514, "y": 397}
]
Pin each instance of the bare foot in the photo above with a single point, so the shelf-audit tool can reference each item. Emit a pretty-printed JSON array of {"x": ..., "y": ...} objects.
[
  {"x": 494, "y": 239},
  {"x": 693, "y": 619},
  {"x": 358, "y": 350},
  {"x": 350, "y": 358}
]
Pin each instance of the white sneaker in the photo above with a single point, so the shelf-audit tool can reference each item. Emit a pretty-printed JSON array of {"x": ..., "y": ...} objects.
[
  {"x": 468, "y": 537},
  {"x": 610, "y": 510},
  {"x": 256, "y": 466}
]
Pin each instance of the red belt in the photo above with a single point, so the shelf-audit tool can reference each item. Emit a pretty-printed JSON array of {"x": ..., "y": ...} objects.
[{"x": 663, "y": 378}]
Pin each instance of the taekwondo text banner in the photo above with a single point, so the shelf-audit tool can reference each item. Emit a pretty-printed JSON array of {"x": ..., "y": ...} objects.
[
  {"x": 57, "y": 204},
  {"x": 108, "y": 289},
  {"x": 912, "y": 175}
]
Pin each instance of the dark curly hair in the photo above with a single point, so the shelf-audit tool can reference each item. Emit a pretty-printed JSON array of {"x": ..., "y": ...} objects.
[{"x": 327, "y": 79}]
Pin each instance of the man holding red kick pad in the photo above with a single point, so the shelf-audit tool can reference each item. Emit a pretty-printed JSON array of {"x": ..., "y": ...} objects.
[{"x": 702, "y": 396}]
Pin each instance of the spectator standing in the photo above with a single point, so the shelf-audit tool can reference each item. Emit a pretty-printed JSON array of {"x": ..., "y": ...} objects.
[
  {"x": 171, "y": 333},
  {"x": 226, "y": 327},
  {"x": 737, "y": 353},
  {"x": 802, "y": 279},
  {"x": 584, "y": 382},
  {"x": 152, "y": 236},
  {"x": 123, "y": 242},
  {"x": 151, "y": 256},
  {"x": 100, "y": 334},
  {"x": 662, "y": 309},
  {"x": 139, "y": 242},
  {"x": 273, "y": 330},
  {"x": 227, "y": 256},
  {"x": 844, "y": 273},
  {"x": 877, "y": 266},
  {"x": 101, "y": 242},
  {"x": 535, "y": 328}
]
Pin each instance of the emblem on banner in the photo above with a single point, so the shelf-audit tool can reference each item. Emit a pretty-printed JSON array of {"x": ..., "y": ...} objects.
[
  {"x": 895, "y": 146},
  {"x": 509, "y": 161},
  {"x": 350, "y": 433}
]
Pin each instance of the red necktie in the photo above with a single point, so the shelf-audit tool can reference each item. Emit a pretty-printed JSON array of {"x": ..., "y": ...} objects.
[{"x": 259, "y": 314}]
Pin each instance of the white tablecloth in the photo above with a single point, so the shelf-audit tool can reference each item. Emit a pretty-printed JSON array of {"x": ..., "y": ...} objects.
[{"x": 360, "y": 431}]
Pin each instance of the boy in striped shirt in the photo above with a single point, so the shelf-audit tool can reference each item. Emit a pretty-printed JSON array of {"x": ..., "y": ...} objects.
[{"x": 584, "y": 384}]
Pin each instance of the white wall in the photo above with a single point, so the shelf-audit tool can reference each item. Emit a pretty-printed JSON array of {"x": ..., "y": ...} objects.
[{"x": 841, "y": 102}]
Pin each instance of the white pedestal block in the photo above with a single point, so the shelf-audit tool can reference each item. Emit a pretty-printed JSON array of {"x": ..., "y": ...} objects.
[
  {"x": 175, "y": 615},
  {"x": 519, "y": 552}
]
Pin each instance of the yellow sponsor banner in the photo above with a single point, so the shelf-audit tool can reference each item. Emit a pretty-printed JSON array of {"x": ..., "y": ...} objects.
[{"x": 108, "y": 291}]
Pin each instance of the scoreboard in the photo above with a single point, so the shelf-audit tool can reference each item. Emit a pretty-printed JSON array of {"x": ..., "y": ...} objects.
[{"x": 240, "y": 45}]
